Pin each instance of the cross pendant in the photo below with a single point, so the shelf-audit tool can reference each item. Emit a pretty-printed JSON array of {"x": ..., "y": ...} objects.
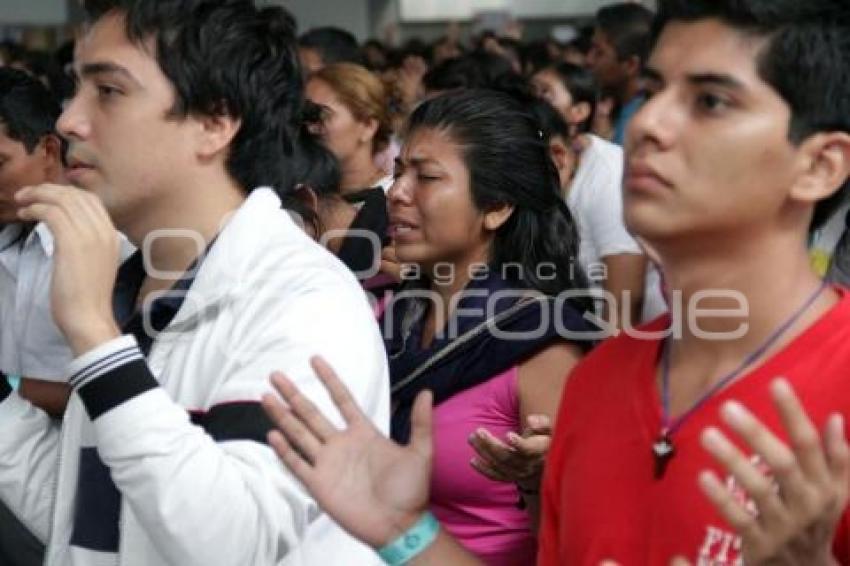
[{"x": 663, "y": 452}]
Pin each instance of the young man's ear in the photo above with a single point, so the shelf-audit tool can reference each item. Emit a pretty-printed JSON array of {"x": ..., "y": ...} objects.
[
  {"x": 216, "y": 133},
  {"x": 50, "y": 148},
  {"x": 632, "y": 66},
  {"x": 825, "y": 166}
]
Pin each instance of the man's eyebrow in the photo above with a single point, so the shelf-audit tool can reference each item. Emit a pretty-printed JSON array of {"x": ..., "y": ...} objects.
[
  {"x": 90, "y": 70},
  {"x": 652, "y": 74},
  {"x": 717, "y": 79}
]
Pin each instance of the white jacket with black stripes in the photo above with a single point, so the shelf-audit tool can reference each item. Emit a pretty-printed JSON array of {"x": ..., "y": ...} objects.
[{"x": 162, "y": 460}]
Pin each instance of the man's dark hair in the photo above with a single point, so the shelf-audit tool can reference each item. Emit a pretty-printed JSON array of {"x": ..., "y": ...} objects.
[
  {"x": 226, "y": 57},
  {"x": 28, "y": 111},
  {"x": 629, "y": 29},
  {"x": 333, "y": 44},
  {"x": 581, "y": 85},
  {"x": 806, "y": 59},
  {"x": 479, "y": 69},
  {"x": 536, "y": 55}
]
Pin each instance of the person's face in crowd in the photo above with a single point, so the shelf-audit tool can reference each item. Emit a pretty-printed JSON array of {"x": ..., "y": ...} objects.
[
  {"x": 124, "y": 146},
  {"x": 444, "y": 51},
  {"x": 548, "y": 86},
  {"x": 432, "y": 216},
  {"x": 709, "y": 152},
  {"x": 375, "y": 56},
  {"x": 311, "y": 60},
  {"x": 603, "y": 62},
  {"x": 20, "y": 168},
  {"x": 574, "y": 57},
  {"x": 339, "y": 130}
]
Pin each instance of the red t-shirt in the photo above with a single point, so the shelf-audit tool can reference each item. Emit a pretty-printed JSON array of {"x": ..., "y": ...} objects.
[{"x": 600, "y": 498}]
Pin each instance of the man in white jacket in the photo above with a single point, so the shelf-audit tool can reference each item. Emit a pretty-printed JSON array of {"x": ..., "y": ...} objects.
[{"x": 181, "y": 118}]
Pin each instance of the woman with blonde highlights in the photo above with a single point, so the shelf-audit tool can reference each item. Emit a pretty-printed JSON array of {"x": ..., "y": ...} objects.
[{"x": 354, "y": 122}]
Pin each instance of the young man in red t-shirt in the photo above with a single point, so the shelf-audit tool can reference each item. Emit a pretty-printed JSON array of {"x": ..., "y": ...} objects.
[
  {"x": 744, "y": 135},
  {"x": 689, "y": 446}
]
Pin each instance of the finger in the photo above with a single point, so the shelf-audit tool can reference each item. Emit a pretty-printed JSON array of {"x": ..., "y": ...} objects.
[
  {"x": 503, "y": 457},
  {"x": 421, "y": 439},
  {"x": 530, "y": 446},
  {"x": 338, "y": 391},
  {"x": 838, "y": 458},
  {"x": 45, "y": 193},
  {"x": 290, "y": 457},
  {"x": 837, "y": 449},
  {"x": 97, "y": 210},
  {"x": 753, "y": 481},
  {"x": 274, "y": 408},
  {"x": 392, "y": 269},
  {"x": 491, "y": 447},
  {"x": 489, "y": 471},
  {"x": 303, "y": 408},
  {"x": 68, "y": 199},
  {"x": 298, "y": 436},
  {"x": 776, "y": 454},
  {"x": 55, "y": 217},
  {"x": 76, "y": 214},
  {"x": 538, "y": 424},
  {"x": 734, "y": 513},
  {"x": 804, "y": 437},
  {"x": 680, "y": 561}
]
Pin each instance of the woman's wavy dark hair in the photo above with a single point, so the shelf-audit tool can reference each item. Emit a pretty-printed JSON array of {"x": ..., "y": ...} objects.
[{"x": 509, "y": 163}]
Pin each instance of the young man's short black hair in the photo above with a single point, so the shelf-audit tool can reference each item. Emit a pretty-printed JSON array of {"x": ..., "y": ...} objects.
[
  {"x": 28, "y": 111},
  {"x": 478, "y": 69},
  {"x": 629, "y": 29},
  {"x": 226, "y": 57},
  {"x": 806, "y": 58},
  {"x": 334, "y": 45}
]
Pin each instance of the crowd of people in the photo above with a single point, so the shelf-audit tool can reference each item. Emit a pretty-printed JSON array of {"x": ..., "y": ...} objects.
[{"x": 281, "y": 298}]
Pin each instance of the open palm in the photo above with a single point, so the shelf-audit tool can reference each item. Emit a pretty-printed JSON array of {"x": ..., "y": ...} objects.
[{"x": 371, "y": 486}]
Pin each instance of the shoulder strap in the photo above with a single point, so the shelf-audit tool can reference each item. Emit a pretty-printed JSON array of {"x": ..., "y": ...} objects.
[{"x": 463, "y": 339}]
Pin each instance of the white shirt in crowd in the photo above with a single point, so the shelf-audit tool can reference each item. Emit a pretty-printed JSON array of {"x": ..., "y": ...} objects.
[
  {"x": 30, "y": 343},
  {"x": 596, "y": 202}
]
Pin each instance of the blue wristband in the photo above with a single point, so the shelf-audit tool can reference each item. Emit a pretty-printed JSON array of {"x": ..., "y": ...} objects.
[
  {"x": 14, "y": 381},
  {"x": 417, "y": 538}
]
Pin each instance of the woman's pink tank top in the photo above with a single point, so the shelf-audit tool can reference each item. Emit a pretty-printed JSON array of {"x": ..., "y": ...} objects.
[{"x": 481, "y": 513}]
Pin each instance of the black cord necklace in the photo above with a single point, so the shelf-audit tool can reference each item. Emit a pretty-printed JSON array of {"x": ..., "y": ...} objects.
[{"x": 663, "y": 449}]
